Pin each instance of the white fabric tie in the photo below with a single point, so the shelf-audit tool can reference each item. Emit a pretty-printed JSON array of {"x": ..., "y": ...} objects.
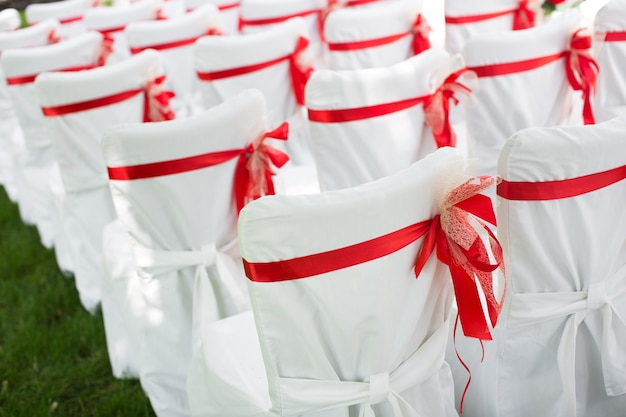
[
  {"x": 595, "y": 307},
  {"x": 301, "y": 396}
]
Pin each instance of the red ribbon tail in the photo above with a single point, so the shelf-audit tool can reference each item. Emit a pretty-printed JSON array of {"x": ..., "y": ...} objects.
[
  {"x": 242, "y": 177},
  {"x": 420, "y": 43},
  {"x": 468, "y": 301},
  {"x": 428, "y": 246}
]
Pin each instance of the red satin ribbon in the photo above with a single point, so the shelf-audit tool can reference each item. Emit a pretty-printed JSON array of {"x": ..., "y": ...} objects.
[
  {"x": 27, "y": 79},
  {"x": 156, "y": 102},
  {"x": 299, "y": 74},
  {"x": 582, "y": 71},
  {"x": 553, "y": 190},
  {"x": 112, "y": 30},
  {"x": 506, "y": 68},
  {"x": 419, "y": 43},
  {"x": 174, "y": 44},
  {"x": 361, "y": 113},
  {"x": 63, "y": 21},
  {"x": 523, "y": 17},
  {"x": 278, "y": 19},
  {"x": 468, "y": 300},
  {"x": 229, "y": 6},
  {"x": 615, "y": 36},
  {"x": 106, "y": 49},
  {"x": 352, "y": 3}
]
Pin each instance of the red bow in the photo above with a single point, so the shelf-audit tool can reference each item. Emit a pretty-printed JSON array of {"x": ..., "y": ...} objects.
[
  {"x": 106, "y": 49},
  {"x": 157, "y": 102},
  {"x": 421, "y": 29},
  {"x": 455, "y": 234},
  {"x": 582, "y": 70},
  {"x": 53, "y": 36},
  {"x": 523, "y": 16},
  {"x": 300, "y": 71},
  {"x": 437, "y": 109},
  {"x": 253, "y": 174},
  {"x": 159, "y": 14}
]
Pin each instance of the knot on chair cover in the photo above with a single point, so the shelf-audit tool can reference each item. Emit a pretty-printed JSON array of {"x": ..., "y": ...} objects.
[
  {"x": 420, "y": 30},
  {"x": 582, "y": 70}
]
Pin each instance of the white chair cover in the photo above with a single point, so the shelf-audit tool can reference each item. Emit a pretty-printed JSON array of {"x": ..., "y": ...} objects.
[
  {"x": 559, "y": 347},
  {"x": 466, "y": 18},
  {"x": 9, "y": 20},
  {"x": 504, "y": 104},
  {"x": 174, "y": 39},
  {"x": 610, "y": 53},
  {"x": 362, "y": 26},
  {"x": 366, "y": 338},
  {"x": 367, "y": 148},
  {"x": 229, "y": 12},
  {"x": 20, "y": 67},
  {"x": 226, "y": 66},
  {"x": 181, "y": 224},
  {"x": 113, "y": 20},
  {"x": 68, "y": 12},
  {"x": 12, "y": 141},
  {"x": 76, "y": 137}
]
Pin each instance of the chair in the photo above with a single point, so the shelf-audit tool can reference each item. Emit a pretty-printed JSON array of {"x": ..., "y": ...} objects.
[
  {"x": 79, "y": 108},
  {"x": 275, "y": 62},
  {"x": 369, "y": 124},
  {"x": 562, "y": 333},
  {"x": 9, "y": 20},
  {"x": 174, "y": 39},
  {"x": 463, "y": 19},
  {"x": 523, "y": 82},
  {"x": 176, "y": 189},
  {"x": 344, "y": 327},
  {"x": 229, "y": 13},
  {"x": 36, "y": 160},
  {"x": 111, "y": 22},
  {"x": 610, "y": 53},
  {"x": 10, "y": 132},
  {"x": 379, "y": 35},
  {"x": 69, "y": 13}
]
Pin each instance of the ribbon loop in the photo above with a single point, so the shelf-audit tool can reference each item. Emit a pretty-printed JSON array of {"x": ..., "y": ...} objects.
[
  {"x": 421, "y": 30},
  {"x": 300, "y": 69},
  {"x": 379, "y": 388},
  {"x": 524, "y": 15},
  {"x": 253, "y": 174},
  {"x": 597, "y": 296},
  {"x": 208, "y": 254},
  {"x": 582, "y": 70},
  {"x": 157, "y": 101}
]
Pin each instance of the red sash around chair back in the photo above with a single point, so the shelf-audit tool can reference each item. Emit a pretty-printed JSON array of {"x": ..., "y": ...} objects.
[
  {"x": 614, "y": 36},
  {"x": 156, "y": 102},
  {"x": 523, "y": 16},
  {"x": 176, "y": 44},
  {"x": 253, "y": 173},
  {"x": 27, "y": 79}
]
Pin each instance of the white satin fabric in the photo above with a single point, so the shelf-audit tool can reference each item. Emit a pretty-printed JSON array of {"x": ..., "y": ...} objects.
[
  {"x": 9, "y": 19},
  {"x": 108, "y": 18},
  {"x": 351, "y": 153},
  {"x": 76, "y": 138},
  {"x": 229, "y": 16},
  {"x": 610, "y": 98},
  {"x": 378, "y": 20},
  {"x": 60, "y": 10},
  {"x": 37, "y": 159},
  {"x": 558, "y": 348},
  {"x": 218, "y": 53},
  {"x": 180, "y": 227},
  {"x": 458, "y": 34},
  {"x": 178, "y": 61},
  {"x": 11, "y": 135},
  {"x": 365, "y": 340},
  {"x": 504, "y": 104}
]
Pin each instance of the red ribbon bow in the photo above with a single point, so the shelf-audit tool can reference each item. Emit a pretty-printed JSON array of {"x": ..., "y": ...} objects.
[
  {"x": 300, "y": 71},
  {"x": 582, "y": 70},
  {"x": 454, "y": 233},
  {"x": 253, "y": 174},
  {"x": 157, "y": 101},
  {"x": 437, "y": 109},
  {"x": 106, "y": 49},
  {"x": 159, "y": 14},
  {"x": 421, "y": 29},
  {"x": 523, "y": 16},
  {"x": 53, "y": 36}
]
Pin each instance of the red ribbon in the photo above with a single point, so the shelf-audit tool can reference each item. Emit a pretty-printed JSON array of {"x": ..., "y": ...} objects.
[
  {"x": 582, "y": 70},
  {"x": 27, "y": 79},
  {"x": 459, "y": 246},
  {"x": 421, "y": 29},
  {"x": 175, "y": 44},
  {"x": 506, "y": 68},
  {"x": 106, "y": 49},
  {"x": 437, "y": 109},
  {"x": 278, "y": 19},
  {"x": 53, "y": 37},
  {"x": 523, "y": 16},
  {"x": 615, "y": 36},
  {"x": 156, "y": 102},
  {"x": 300, "y": 71},
  {"x": 253, "y": 174},
  {"x": 361, "y": 113}
]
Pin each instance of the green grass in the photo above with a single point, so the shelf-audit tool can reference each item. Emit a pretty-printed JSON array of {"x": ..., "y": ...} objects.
[{"x": 53, "y": 357}]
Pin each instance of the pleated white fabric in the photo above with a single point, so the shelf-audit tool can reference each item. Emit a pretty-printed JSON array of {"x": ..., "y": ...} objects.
[
  {"x": 68, "y": 12},
  {"x": 76, "y": 137},
  {"x": 558, "y": 348},
  {"x": 610, "y": 99},
  {"x": 182, "y": 228},
  {"x": 363, "y": 340},
  {"x": 354, "y": 152}
]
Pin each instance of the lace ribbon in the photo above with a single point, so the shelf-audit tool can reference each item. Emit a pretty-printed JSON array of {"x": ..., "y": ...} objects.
[
  {"x": 456, "y": 235},
  {"x": 582, "y": 70}
]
